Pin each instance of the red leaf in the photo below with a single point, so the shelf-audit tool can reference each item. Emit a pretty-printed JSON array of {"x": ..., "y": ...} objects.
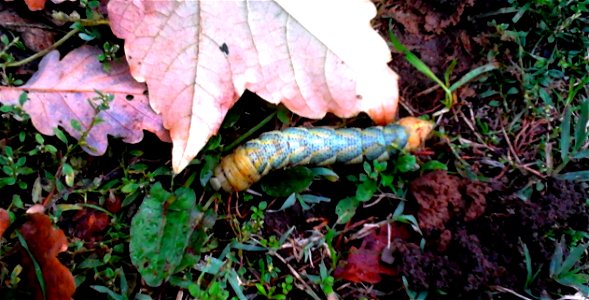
[
  {"x": 35, "y": 4},
  {"x": 364, "y": 264},
  {"x": 4, "y": 221},
  {"x": 44, "y": 243}
]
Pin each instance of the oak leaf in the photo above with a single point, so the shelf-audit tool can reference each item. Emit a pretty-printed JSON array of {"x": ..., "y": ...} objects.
[
  {"x": 64, "y": 91},
  {"x": 198, "y": 57},
  {"x": 44, "y": 243}
]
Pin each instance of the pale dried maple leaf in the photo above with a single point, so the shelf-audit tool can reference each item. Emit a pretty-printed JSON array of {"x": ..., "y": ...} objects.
[
  {"x": 61, "y": 91},
  {"x": 198, "y": 57}
]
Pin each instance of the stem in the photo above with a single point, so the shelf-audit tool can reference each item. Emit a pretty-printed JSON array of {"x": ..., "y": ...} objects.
[
  {"x": 56, "y": 44},
  {"x": 44, "y": 52},
  {"x": 249, "y": 133}
]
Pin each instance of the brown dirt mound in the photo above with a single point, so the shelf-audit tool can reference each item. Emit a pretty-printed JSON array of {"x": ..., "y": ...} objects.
[{"x": 465, "y": 257}]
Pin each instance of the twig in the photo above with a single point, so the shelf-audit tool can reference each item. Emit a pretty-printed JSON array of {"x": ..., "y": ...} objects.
[
  {"x": 248, "y": 133},
  {"x": 298, "y": 277},
  {"x": 55, "y": 45},
  {"x": 510, "y": 291}
]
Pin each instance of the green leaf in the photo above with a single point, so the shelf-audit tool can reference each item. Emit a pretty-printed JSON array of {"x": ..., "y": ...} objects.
[
  {"x": 581, "y": 125},
  {"x": 283, "y": 183},
  {"x": 556, "y": 260},
  {"x": 162, "y": 232},
  {"x": 105, "y": 290},
  {"x": 433, "y": 165},
  {"x": 581, "y": 154},
  {"x": 346, "y": 209},
  {"x": 366, "y": 190},
  {"x": 60, "y": 135},
  {"x": 207, "y": 169},
  {"x": 69, "y": 173},
  {"x": 326, "y": 173},
  {"x": 575, "y": 176},
  {"x": 290, "y": 201},
  {"x": 472, "y": 75},
  {"x": 312, "y": 198},
  {"x": 572, "y": 259},
  {"x": 406, "y": 163}
]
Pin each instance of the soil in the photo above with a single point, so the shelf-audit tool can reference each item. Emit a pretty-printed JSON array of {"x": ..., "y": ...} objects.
[{"x": 465, "y": 256}]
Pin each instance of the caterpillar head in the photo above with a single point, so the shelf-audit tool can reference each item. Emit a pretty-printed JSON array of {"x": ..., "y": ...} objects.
[{"x": 418, "y": 131}]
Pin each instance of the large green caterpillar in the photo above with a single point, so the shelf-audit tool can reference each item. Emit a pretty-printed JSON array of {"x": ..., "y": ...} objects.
[{"x": 318, "y": 146}]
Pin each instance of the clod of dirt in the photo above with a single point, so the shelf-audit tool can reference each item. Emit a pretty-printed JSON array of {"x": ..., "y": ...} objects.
[
  {"x": 435, "y": 16},
  {"x": 442, "y": 197}
]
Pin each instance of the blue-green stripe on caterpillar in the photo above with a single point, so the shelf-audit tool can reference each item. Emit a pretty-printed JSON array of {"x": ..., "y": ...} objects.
[{"x": 317, "y": 146}]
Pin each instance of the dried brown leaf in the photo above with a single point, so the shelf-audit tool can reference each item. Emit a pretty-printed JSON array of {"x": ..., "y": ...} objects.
[{"x": 45, "y": 242}]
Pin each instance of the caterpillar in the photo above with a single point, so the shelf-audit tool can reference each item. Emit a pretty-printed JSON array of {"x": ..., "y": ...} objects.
[{"x": 317, "y": 146}]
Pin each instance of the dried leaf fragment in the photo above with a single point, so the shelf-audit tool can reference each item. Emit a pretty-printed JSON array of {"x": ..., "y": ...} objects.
[
  {"x": 44, "y": 243},
  {"x": 364, "y": 264}
]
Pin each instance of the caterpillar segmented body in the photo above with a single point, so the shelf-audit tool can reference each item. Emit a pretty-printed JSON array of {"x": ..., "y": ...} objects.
[{"x": 316, "y": 146}]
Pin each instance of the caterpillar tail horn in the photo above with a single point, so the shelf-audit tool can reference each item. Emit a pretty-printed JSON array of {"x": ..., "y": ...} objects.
[{"x": 319, "y": 146}]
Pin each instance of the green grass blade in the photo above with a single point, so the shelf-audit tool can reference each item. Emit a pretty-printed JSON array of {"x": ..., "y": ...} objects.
[
  {"x": 38, "y": 272},
  {"x": 572, "y": 259},
  {"x": 575, "y": 176},
  {"x": 472, "y": 75},
  {"x": 416, "y": 62},
  {"x": 581, "y": 126},
  {"x": 556, "y": 260},
  {"x": 565, "y": 134},
  {"x": 581, "y": 154}
]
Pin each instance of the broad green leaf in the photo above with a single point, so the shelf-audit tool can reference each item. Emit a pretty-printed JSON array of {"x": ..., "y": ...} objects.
[{"x": 163, "y": 232}]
